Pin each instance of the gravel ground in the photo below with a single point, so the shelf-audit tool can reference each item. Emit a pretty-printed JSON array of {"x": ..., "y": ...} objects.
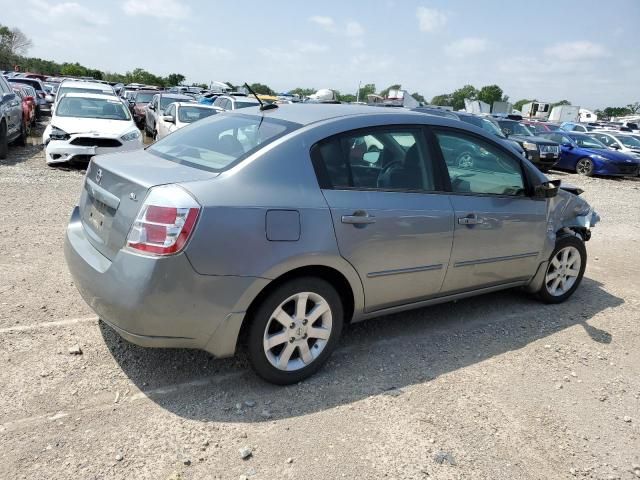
[{"x": 494, "y": 387}]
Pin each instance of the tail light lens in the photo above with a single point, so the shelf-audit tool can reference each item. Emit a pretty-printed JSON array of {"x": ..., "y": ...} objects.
[{"x": 165, "y": 221}]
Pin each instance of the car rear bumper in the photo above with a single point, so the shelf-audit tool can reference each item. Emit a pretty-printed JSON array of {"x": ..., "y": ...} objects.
[{"x": 159, "y": 302}]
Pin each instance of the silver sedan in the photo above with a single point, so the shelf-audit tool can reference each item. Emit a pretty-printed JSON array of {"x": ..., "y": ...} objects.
[{"x": 279, "y": 226}]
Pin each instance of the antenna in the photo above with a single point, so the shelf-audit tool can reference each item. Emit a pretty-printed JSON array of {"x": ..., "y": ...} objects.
[{"x": 263, "y": 107}]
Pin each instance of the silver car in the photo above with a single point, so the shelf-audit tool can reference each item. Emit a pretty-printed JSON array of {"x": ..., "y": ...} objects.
[{"x": 276, "y": 227}]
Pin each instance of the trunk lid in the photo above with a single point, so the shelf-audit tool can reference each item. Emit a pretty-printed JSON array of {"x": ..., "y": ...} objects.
[{"x": 114, "y": 190}]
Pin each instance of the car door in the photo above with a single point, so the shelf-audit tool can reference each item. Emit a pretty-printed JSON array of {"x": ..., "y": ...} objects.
[
  {"x": 499, "y": 231},
  {"x": 569, "y": 154},
  {"x": 392, "y": 220},
  {"x": 13, "y": 108}
]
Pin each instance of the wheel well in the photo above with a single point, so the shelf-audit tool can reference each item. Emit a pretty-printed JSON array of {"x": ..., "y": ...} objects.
[{"x": 331, "y": 275}]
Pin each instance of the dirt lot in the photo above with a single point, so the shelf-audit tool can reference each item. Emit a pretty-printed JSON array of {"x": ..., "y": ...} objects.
[{"x": 495, "y": 387}]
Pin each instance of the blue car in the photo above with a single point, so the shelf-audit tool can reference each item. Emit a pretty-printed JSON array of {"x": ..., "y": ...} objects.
[{"x": 587, "y": 156}]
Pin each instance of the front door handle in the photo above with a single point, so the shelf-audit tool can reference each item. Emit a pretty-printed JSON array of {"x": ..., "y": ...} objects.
[
  {"x": 359, "y": 217},
  {"x": 472, "y": 219}
]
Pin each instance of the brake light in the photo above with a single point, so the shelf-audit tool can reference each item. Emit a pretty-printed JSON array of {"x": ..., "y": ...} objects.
[{"x": 165, "y": 221}]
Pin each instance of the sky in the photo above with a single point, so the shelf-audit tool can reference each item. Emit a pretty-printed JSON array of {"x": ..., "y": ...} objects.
[{"x": 585, "y": 51}]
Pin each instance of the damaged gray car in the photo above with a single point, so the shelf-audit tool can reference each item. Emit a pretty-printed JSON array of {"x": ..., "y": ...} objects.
[{"x": 276, "y": 226}]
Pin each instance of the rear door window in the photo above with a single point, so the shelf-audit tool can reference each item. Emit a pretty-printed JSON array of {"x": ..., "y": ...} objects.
[{"x": 378, "y": 159}]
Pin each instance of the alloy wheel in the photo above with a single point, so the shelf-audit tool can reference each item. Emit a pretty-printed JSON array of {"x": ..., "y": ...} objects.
[
  {"x": 563, "y": 271},
  {"x": 297, "y": 331},
  {"x": 584, "y": 166}
]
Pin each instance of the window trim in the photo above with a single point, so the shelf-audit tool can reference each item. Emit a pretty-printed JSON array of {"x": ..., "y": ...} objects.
[
  {"x": 324, "y": 180},
  {"x": 433, "y": 129}
]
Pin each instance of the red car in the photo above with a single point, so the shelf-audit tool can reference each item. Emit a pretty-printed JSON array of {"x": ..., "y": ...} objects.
[
  {"x": 541, "y": 127},
  {"x": 28, "y": 108}
]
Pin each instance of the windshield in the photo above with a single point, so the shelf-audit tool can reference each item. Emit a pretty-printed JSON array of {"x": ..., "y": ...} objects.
[
  {"x": 220, "y": 141},
  {"x": 92, "y": 108},
  {"x": 246, "y": 104},
  {"x": 107, "y": 91},
  {"x": 628, "y": 141},
  {"x": 27, "y": 81},
  {"x": 588, "y": 142},
  {"x": 166, "y": 101},
  {"x": 144, "y": 97},
  {"x": 483, "y": 123},
  {"x": 515, "y": 128},
  {"x": 188, "y": 114}
]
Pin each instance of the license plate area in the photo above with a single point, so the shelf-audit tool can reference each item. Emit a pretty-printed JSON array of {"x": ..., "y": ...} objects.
[{"x": 98, "y": 217}]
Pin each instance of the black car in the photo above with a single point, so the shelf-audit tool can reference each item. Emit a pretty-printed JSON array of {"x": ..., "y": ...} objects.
[
  {"x": 486, "y": 123},
  {"x": 542, "y": 152}
]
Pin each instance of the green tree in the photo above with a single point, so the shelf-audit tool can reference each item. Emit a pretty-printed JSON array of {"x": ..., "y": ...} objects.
[
  {"x": 490, "y": 93},
  {"x": 73, "y": 70},
  {"x": 616, "y": 112},
  {"x": 561, "y": 103},
  {"x": 444, "y": 100},
  {"x": 520, "y": 103},
  {"x": 367, "y": 89},
  {"x": 459, "y": 95},
  {"x": 200, "y": 85},
  {"x": 634, "y": 108},
  {"x": 261, "y": 89},
  {"x": 13, "y": 44},
  {"x": 347, "y": 97},
  {"x": 303, "y": 92},
  {"x": 418, "y": 97},
  {"x": 174, "y": 79},
  {"x": 385, "y": 92}
]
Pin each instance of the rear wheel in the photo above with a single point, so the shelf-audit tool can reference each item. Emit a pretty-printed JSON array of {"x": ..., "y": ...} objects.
[
  {"x": 22, "y": 139},
  {"x": 584, "y": 166},
  {"x": 565, "y": 270},
  {"x": 4, "y": 145},
  {"x": 294, "y": 330}
]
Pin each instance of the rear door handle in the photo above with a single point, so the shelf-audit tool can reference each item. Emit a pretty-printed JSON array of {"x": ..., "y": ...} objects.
[
  {"x": 359, "y": 217},
  {"x": 472, "y": 219}
]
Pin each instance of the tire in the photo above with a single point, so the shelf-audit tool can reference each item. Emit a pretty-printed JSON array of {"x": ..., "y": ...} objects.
[
  {"x": 562, "y": 278},
  {"x": 22, "y": 139},
  {"x": 278, "y": 318},
  {"x": 584, "y": 166},
  {"x": 4, "y": 144}
]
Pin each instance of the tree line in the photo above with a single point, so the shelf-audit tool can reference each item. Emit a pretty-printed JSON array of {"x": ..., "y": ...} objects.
[{"x": 14, "y": 45}]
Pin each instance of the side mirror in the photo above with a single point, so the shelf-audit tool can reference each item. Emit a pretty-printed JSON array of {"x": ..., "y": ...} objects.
[
  {"x": 615, "y": 146},
  {"x": 371, "y": 157},
  {"x": 568, "y": 145},
  {"x": 151, "y": 107},
  {"x": 547, "y": 189},
  {"x": 168, "y": 119}
]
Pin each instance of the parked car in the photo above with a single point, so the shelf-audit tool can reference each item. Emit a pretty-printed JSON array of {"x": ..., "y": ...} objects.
[
  {"x": 576, "y": 127},
  {"x": 42, "y": 97},
  {"x": 11, "y": 129},
  {"x": 624, "y": 142},
  {"x": 31, "y": 97},
  {"x": 28, "y": 111},
  {"x": 234, "y": 102},
  {"x": 542, "y": 152},
  {"x": 209, "y": 98},
  {"x": 180, "y": 114},
  {"x": 138, "y": 102},
  {"x": 88, "y": 124},
  {"x": 75, "y": 86},
  {"x": 486, "y": 123},
  {"x": 266, "y": 223},
  {"x": 156, "y": 107},
  {"x": 541, "y": 127},
  {"x": 585, "y": 155}
]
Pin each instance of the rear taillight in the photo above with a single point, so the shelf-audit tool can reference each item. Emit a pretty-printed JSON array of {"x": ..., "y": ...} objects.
[{"x": 165, "y": 221}]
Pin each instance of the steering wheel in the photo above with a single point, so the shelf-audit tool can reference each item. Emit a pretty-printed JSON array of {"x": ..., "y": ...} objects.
[{"x": 464, "y": 160}]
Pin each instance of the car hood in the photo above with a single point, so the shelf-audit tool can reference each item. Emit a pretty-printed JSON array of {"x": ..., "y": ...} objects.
[
  {"x": 533, "y": 139},
  {"x": 610, "y": 154},
  {"x": 100, "y": 126}
]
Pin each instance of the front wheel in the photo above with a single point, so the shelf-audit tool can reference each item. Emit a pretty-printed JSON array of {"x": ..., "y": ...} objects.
[
  {"x": 4, "y": 144},
  {"x": 565, "y": 270},
  {"x": 584, "y": 166},
  {"x": 294, "y": 330}
]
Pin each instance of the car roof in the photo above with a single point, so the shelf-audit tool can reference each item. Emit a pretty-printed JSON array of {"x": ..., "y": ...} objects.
[
  {"x": 175, "y": 95},
  {"x": 308, "y": 113},
  {"x": 81, "y": 84},
  {"x": 93, "y": 96}
]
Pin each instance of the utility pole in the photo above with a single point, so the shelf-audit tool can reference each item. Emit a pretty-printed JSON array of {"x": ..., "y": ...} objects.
[{"x": 358, "y": 92}]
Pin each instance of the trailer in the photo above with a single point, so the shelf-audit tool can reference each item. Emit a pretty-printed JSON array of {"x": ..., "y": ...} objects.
[
  {"x": 564, "y": 113},
  {"x": 476, "y": 106},
  {"x": 505, "y": 108},
  {"x": 538, "y": 110}
]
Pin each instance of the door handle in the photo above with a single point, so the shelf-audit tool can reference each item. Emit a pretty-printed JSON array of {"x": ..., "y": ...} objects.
[
  {"x": 472, "y": 219},
  {"x": 359, "y": 217}
]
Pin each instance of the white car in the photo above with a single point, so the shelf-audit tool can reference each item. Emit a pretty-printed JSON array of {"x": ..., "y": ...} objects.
[
  {"x": 86, "y": 124},
  {"x": 78, "y": 86},
  {"x": 622, "y": 142},
  {"x": 235, "y": 102},
  {"x": 181, "y": 114}
]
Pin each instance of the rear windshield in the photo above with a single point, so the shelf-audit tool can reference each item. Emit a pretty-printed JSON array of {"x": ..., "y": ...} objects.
[
  {"x": 219, "y": 142},
  {"x": 144, "y": 97},
  {"x": 245, "y": 104},
  {"x": 106, "y": 91},
  {"x": 188, "y": 114},
  {"x": 166, "y": 101}
]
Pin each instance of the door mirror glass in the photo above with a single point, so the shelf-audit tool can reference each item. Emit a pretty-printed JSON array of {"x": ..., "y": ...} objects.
[
  {"x": 371, "y": 157},
  {"x": 567, "y": 145},
  {"x": 547, "y": 189},
  {"x": 615, "y": 146},
  {"x": 169, "y": 119}
]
